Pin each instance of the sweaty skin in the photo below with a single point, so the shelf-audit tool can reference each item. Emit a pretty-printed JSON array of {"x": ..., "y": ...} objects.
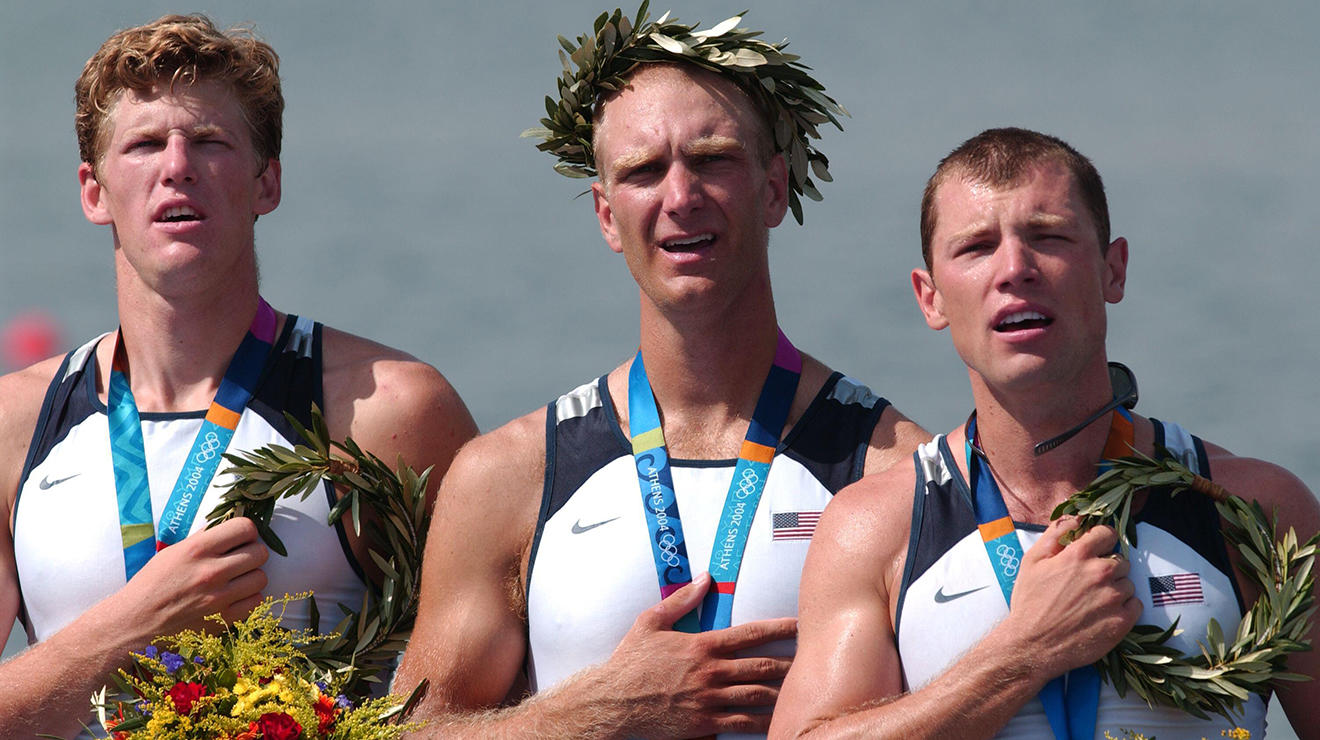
[
  {"x": 1021, "y": 282},
  {"x": 687, "y": 200}
]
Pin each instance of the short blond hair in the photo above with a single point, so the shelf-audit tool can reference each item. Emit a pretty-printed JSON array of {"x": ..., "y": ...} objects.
[{"x": 181, "y": 49}]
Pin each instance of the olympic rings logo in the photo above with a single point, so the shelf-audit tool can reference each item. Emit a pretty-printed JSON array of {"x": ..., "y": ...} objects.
[
  {"x": 747, "y": 485},
  {"x": 1008, "y": 559},
  {"x": 208, "y": 449},
  {"x": 667, "y": 546}
]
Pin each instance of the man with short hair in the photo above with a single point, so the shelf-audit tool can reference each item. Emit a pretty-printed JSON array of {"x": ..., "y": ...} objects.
[
  {"x": 568, "y": 550},
  {"x": 906, "y": 628},
  {"x": 112, "y": 452}
]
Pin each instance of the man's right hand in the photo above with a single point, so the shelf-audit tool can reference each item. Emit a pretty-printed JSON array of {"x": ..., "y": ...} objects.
[
  {"x": 1073, "y": 603},
  {"x": 214, "y": 571},
  {"x": 692, "y": 685}
]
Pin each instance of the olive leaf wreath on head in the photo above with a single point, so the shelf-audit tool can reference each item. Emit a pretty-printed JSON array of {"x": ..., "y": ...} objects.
[
  {"x": 393, "y": 504},
  {"x": 1230, "y": 667},
  {"x": 794, "y": 102}
]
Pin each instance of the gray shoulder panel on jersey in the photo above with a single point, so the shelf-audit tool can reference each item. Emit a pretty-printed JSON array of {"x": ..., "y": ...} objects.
[
  {"x": 1179, "y": 443},
  {"x": 577, "y": 402},
  {"x": 78, "y": 359},
  {"x": 300, "y": 339},
  {"x": 932, "y": 462},
  {"x": 849, "y": 390}
]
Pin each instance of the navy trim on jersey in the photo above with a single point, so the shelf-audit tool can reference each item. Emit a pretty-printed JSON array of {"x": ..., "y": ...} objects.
[
  {"x": 547, "y": 485},
  {"x": 828, "y": 433},
  {"x": 284, "y": 385},
  {"x": 940, "y": 521}
]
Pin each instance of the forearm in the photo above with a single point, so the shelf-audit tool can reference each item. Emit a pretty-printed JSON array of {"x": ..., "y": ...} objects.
[
  {"x": 974, "y": 698},
  {"x": 47, "y": 688},
  {"x": 587, "y": 705}
]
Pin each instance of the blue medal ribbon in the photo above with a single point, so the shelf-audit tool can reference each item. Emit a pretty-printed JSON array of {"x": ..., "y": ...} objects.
[
  {"x": 140, "y": 538},
  {"x": 1072, "y": 700},
  {"x": 668, "y": 546}
]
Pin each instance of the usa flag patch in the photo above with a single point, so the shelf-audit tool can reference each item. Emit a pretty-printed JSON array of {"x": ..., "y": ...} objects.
[
  {"x": 794, "y": 525},
  {"x": 1179, "y": 588}
]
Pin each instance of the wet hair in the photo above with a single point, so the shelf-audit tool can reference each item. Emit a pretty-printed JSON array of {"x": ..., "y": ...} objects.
[
  {"x": 181, "y": 49},
  {"x": 1004, "y": 156}
]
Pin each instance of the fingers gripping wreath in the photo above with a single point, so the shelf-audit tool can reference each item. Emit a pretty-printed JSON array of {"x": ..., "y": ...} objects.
[{"x": 1230, "y": 667}]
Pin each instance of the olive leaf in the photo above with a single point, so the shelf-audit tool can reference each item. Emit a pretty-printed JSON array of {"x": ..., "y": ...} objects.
[
  {"x": 598, "y": 63},
  {"x": 388, "y": 503},
  {"x": 1226, "y": 672}
]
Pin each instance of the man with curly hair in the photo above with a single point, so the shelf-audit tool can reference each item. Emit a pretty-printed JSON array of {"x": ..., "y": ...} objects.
[
  {"x": 109, "y": 456},
  {"x": 630, "y": 554},
  {"x": 939, "y": 600}
]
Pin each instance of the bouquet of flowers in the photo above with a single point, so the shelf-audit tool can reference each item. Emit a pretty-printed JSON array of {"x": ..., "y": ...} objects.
[{"x": 249, "y": 681}]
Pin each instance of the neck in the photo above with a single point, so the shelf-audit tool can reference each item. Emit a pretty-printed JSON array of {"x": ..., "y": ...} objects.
[
  {"x": 179, "y": 348},
  {"x": 1009, "y": 426},
  {"x": 707, "y": 374}
]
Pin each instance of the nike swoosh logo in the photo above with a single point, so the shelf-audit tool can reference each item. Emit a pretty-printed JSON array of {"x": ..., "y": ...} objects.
[
  {"x": 46, "y": 482},
  {"x": 943, "y": 598},
  {"x": 579, "y": 529}
]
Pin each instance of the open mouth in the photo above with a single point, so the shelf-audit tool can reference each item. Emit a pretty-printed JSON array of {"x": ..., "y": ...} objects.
[
  {"x": 688, "y": 244},
  {"x": 179, "y": 214},
  {"x": 1022, "y": 320}
]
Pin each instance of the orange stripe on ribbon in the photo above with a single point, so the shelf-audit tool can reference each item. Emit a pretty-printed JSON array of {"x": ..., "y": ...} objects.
[
  {"x": 223, "y": 417},
  {"x": 996, "y": 529},
  {"x": 756, "y": 452},
  {"x": 1121, "y": 438}
]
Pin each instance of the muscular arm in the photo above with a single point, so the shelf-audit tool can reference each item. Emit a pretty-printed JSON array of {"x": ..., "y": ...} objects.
[
  {"x": 470, "y": 638},
  {"x": 1295, "y": 507},
  {"x": 1069, "y": 607},
  {"x": 393, "y": 405}
]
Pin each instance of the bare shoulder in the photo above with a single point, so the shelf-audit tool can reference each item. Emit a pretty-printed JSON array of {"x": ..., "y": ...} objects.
[
  {"x": 391, "y": 402},
  {"x": 21, "y": 395},
  {"x": 492, "y": 495},
  {"x": 500, "y": 472},
  {"x": 1270, "y": 484},
  {"x": 870, "y": 518},
  {"x": 511, "y": 456}
]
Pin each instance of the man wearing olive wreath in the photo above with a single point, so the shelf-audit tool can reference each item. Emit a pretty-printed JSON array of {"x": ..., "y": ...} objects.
[
  {"x": 905, "y": 628},
  {"x": 624, "y": 553},
  {"x": 179, "y": 128}
]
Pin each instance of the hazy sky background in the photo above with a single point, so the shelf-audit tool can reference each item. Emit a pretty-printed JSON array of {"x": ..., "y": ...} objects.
[{"x": 414, "y": 214}]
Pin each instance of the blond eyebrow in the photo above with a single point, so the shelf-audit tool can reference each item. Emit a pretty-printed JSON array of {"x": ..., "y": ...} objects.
[
  {"x": 713, "y": 144},
  {"x": 198, "y": 130},
  {"x": 631, "y": 159},
  {"x": 703, "y": 146},
  {"x": 1047, "y": 220},
  {"x": 970, "y": 233}
]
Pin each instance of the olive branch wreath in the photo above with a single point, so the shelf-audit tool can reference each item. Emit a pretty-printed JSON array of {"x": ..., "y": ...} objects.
[
  {"x": 393, "y": 504},
  {"x": 783, "y": 87},
  {"x": 1230, "y": 667}
]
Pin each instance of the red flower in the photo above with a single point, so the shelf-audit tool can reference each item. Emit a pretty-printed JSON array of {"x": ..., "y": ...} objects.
[
  {"x": 279, "y": 726},
  {"x": 184, "y": 694},
  {"x": 326, "y": 712}
]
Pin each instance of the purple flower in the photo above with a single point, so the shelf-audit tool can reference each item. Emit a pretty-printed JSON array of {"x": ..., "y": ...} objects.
[
  {"x": 171, "y": 661},
  {"x": 151, "y": 652},
  {"x": 342, "y": 702},
  {"x": 198, "y": 659}
]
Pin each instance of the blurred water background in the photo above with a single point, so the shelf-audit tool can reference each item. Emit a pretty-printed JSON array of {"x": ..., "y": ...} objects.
[{"x": 413, "y": 214}]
